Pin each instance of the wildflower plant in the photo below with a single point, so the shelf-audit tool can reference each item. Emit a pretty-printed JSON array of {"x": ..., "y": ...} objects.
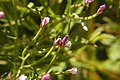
[{"x": 45, "y": 42}]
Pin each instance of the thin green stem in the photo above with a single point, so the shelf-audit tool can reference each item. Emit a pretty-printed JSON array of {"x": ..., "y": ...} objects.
[
  {"x": 33, "y": 40},
  {"x": 69, "y": 4},
  {"x": 58, "y": 73},
  {"x": 15, "y": 17},
  {"x": 48, "y": 53},
  {"x": 68, "y": 8},
  {"x": 69, "y": 23},
  {"x": 22, "y": 64},
  {"x": 25, "y": 49},
  {"x": 51, "y": 62},
  {"x": 75, "y": 16},
  {"x": 77, "y": 5},
  {"x": 89, "y": 17},
  {"x": 41, "y": 59}
]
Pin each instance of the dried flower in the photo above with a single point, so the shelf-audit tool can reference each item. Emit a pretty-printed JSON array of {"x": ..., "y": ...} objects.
[
  {"x": 72, "y": 71},
  {"x": 45, "y": 21},
  {"x": 88, "y": 1},
  {"x": 101, "y": 9},
  {"x": 46, "y": 77},
  {"x": 22, "y": 77},
  {"x": 2, "y": 15},
  {"x": 61, "y": 42}
]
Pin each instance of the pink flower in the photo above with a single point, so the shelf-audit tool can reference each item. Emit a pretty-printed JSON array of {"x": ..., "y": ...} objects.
[
  {"x": 2, "y": 15},
  {"x": 45, "y": 21},
  {"x": 46, "y": 77},
  {"x": 61, "y": 42},
  {"x": 65, "y": 39},
  {"x": 22, "y": 77},
  {"x": 88, "y": 1},
  {"x": 72, "y": 71},
  {"x": 101, "y": 9},
  {"x": 57, "y": 41}
]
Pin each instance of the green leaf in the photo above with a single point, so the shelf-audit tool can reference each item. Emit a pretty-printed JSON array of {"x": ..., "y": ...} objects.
[
  {"x": 114, "y": 51},
  {"x": 107, "y": 39}
]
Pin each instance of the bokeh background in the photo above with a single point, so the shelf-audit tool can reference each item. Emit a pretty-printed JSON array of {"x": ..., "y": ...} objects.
[{"x": 96, "y": 52}]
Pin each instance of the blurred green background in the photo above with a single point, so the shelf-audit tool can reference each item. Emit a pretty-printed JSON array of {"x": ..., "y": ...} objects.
[{"x": 96, "y": 52}]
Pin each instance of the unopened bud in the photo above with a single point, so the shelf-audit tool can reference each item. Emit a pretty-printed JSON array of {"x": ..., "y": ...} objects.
[
  {"x": 65, "y": 39},
  {"x": 61, "y": 42},
  {"x": 2, "y": 15},
  {"x": 45, "y": 21},
  {"x": 88, "y": 1},
  {"x": 101, "y": 9},
  {"x": 57, "y": 41},
  {"x": 22, "y": 77},
  {"x": 46, "y": 77}
]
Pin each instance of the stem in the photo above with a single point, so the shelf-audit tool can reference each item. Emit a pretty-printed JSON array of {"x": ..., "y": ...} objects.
[
  {"x": 68, "y": 7},
  {"x": 53, "y": 59},
  {"x": 58, "y": 73},
  {"x": 22, "y": 64},
  {"x": 77, "y": 5},
  {"x": 25, "y": 49},
  {"x": 89, "y": 17},
  {"x": 33, "y": 40},
  {"x": 76, "y": 17},
  {"x": 69, "y": 23},
  {"x": 48, "y": 53}
]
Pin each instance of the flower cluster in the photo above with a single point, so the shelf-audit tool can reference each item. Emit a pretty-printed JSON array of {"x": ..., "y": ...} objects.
[{"x": 61, "y": 42}]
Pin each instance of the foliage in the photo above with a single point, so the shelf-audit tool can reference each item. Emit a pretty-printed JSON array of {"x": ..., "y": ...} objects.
[{"x": 95, "y": 39}]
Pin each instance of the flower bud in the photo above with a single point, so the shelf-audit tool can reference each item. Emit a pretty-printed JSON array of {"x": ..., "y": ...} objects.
[
  {"x": 101, "y": 9},
  {"x": 57, "y": 41},
  {"x": 46, "y": 77},
  {"x": 45, "y": 21},
  {"x": 2, "y": 15},
  {"x": 88, "y": 1},
  {"x": 65, "y": 39},
  {"x": 22, "y": 77},
  {"x": 61, "y": 42},
  {"x": 72, "y": 71}
]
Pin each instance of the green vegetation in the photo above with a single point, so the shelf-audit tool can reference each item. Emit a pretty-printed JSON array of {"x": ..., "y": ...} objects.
[{"x": 32, "y": 47}]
